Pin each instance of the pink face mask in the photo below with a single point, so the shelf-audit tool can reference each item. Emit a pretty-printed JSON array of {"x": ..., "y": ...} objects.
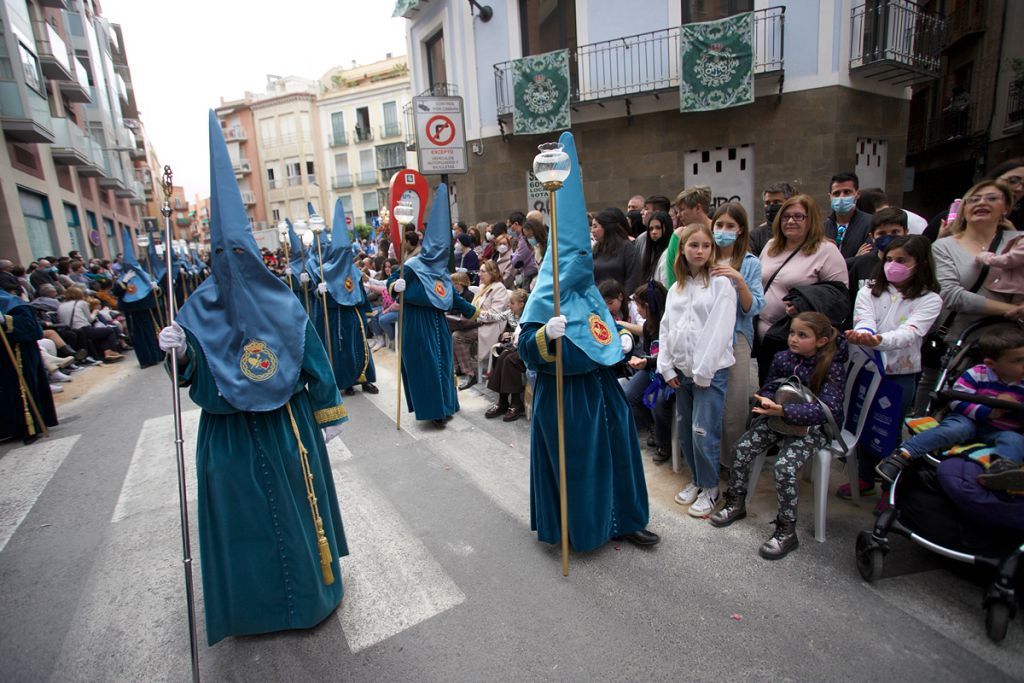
[{"x": 897, "y": 273}]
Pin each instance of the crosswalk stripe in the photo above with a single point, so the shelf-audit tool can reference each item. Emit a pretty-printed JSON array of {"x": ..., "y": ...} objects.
[
  {"x": 25, "y": 472},
  {"x": 149, "y": 484},
  {"x": 391, "y": 580}
]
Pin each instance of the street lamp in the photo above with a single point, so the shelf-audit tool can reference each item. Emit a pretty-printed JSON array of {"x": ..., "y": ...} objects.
[{"x": 552, "y": 166}]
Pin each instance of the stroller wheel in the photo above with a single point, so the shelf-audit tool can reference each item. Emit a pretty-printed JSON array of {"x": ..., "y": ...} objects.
[
  {"x": 997, "y": 620},
  {"x": 870, "y": 557}
]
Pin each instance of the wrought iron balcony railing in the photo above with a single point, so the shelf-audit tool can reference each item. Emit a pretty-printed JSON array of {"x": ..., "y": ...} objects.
[
  {"x": 950, "y": 125},
  {"x": 645, "y": 63},
  {"x": 1015, "y": 105},
  {"x": 895, "y": 42}
]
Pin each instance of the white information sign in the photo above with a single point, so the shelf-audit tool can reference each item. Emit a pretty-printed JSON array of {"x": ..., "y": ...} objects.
[
  {"x": 440, "y": 135},
  {"x": 537, "y": 197}
]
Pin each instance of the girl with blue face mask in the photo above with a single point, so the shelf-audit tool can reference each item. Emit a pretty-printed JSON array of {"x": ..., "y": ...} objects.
[{"x": 731, "y": 233}]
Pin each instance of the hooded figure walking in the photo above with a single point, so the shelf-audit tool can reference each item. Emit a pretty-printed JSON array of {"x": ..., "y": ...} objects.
[
  {"x": 428, "y": 371},
  {"x": 347, "y": 307},
  {"x": 136, "y": 294},
  {"x": 26, "y": 402},
  {"x": 270, "y": 532},
  {"x": 606, "y": 489}
]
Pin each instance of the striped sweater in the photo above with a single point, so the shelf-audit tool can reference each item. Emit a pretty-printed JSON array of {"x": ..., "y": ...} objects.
[{"x": 981, "y": 380}]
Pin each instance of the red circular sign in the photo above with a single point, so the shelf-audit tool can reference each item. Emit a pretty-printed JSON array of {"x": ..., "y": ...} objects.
[
  {"x": 440, "y": 130},
  {"x": 348, "y": 220}
]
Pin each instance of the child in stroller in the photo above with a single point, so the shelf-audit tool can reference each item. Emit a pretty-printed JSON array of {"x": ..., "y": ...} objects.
[{"x": 1000, "y": 376}]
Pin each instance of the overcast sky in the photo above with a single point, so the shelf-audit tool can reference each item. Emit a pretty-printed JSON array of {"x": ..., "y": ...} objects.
[{"x": 185, "y": 55}]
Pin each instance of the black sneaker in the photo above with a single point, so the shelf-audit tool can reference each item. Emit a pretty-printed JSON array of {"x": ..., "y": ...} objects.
[
  {"x": 1003, "y": 475},
  {"x": 891, "y": 467}
]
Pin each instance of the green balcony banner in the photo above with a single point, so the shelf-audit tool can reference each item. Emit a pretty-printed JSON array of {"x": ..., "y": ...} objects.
[
  {"x": 716, "y": 61},
  {"x": 540, "y": 86}
]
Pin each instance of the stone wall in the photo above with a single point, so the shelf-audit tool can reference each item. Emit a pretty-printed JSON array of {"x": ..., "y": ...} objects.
[{"x": 803, "y": 139}]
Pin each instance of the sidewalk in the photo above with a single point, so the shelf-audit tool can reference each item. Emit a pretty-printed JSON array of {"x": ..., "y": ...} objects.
[{"x": 93, "y": 380}]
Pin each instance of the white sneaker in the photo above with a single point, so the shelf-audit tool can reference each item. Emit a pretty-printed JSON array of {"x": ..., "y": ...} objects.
[
  {"x": 57, "y": 376},
  {"x": 56, "y": 388},
  {"x": 705, "y": 504},
  {"x": 688, "y": 494}
]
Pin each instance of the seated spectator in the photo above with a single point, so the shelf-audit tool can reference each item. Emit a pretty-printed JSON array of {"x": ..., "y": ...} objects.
[
  {"x": 536, "y": 235},
  {"x": 45, "y": 274},
  {"x": 524, "y": 261},
  {"x": 462, "y": 285},
  {"x": 466, "y": 260},
  {"x": 490, "y": 301},
  {"x": 76, "y": 314},
  {"x": 503, "y": 259},
  {"x": 625, "y": 312},
  {"x": 650, "y": 302},
  {"x": 508, "y": 369}
]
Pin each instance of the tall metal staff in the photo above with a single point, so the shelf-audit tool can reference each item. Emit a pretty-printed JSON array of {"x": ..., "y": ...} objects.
[
  {"x": 551, "y": 167},
  {"x": 282, "y": 236},
  {"x": 316, "y": 224},
  {"x": 186, "y": 545},
  {"x": 404, "y": 212},
  {"x": 142, "y": 241}
]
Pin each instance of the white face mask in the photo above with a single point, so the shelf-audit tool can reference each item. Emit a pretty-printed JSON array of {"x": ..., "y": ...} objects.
[
  {"x": 489, "y": 236},
  {"x": 502, "y": 248}
]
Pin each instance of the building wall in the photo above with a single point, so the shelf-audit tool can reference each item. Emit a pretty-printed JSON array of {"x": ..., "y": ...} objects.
[{"x": 804, "y": 139}]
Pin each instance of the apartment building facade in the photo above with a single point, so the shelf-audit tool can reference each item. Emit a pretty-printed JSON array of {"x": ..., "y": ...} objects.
[
  {"x": 832, "y": 93},
  {"x": 67, "y": 165},
  {"x": 363, "y": 133}
]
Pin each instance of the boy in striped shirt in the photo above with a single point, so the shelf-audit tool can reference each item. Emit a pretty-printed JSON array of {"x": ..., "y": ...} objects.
[{"x": 1000, "y": 376}]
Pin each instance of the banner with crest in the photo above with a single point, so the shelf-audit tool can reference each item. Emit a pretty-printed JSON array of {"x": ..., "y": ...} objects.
[
  {"x": 541, "y": 93},
  {"x": 716, "y": 63}
]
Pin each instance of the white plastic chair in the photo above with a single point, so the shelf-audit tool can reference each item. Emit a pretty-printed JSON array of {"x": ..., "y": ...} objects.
[{"x": 823, "y": 458}]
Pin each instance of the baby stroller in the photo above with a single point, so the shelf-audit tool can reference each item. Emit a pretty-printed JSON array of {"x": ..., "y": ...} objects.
[{"x": 922, "y": 511}]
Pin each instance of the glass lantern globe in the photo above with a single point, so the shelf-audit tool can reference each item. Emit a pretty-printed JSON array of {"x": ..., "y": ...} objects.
[
  {"x": 551, "y": 165},
  {"x": 405, "y": 212},
  {"x": 142, "y": 241},
  {"x": 159, "y": 248},
  {"x": 316, "y": 223},
  {"x": 307, "y": 238},
  {"x": 282, "y": 231}
]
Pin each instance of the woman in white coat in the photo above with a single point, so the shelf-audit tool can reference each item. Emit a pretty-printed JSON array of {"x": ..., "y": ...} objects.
[{"x": 492, "y": 299}]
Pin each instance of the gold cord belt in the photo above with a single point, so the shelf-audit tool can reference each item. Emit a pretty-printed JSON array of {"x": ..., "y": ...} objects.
[{"x": 307, "y": 477}]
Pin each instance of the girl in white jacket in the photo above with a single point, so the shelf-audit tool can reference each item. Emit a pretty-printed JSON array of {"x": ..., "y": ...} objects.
[
  {"x": 892, "y": 315},
  {"x": 694, "y": 358}
]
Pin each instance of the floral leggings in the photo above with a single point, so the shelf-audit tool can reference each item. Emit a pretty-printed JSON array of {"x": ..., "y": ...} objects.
[{"x": 794, "y": 451}]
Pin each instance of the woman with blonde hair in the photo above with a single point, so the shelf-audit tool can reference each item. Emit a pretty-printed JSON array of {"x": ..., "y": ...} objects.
[
  {"x": 798, "y": 254},
  {"x": 492, "y": 299},
  {"x": 694, "y": 358}
]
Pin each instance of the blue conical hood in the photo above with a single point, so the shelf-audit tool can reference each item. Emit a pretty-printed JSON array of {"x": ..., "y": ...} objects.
[
  {"x": 340, "y": 272},
  {"x": 431, "y": 264},
  {"x": 590, "y": 325},
  {"x": 156, "y": 264},
  {"x": 296, "y": 252},
  {"x": 134, "y": 279},
  {"x": 251, "y": 327}
]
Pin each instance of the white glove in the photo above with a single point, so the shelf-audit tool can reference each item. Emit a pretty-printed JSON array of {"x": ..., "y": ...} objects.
[
  {"x": 555, "y": 327},
  {"x": 399, "y": 285},
  {"x": 627, "y": 342},
  {"x": 331, "y": 431},
  {"x": 2, "y": 318},
  {"x": 461, "y": 270},
  {"x": 321, "y": 288},
  {"x": 304, "y": 278},
  {"x": 172, "y": 338}
]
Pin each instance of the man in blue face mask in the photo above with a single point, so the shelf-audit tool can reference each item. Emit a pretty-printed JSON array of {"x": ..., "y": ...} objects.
[
  {"x": 847, "y": 226},
  {"x": 886, "y": 225}
]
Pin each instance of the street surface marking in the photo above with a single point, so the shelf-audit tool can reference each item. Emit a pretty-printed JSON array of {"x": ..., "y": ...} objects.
[
  {"x": 25, "y": 472},
  {"x": 391, "y": 581},
  {"x": 151, "y": 481}
]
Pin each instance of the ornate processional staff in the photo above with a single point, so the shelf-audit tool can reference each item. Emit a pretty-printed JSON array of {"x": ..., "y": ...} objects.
[
  {"x": 404, "y": 212},
  {"x": 178, "y": 440},
  {"x": 317, "y": 225}
]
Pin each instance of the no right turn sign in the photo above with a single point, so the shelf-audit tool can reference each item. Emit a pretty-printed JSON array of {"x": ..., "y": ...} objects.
[{"x": 440, "y": 135}]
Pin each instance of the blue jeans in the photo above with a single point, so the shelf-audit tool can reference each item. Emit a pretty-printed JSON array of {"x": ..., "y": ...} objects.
[
  {"x": 699, "y": 411},
  {"x": 388, "y": 321},
  {"x": 661, "y": 415},
  {"x": 958, "y": 429}
]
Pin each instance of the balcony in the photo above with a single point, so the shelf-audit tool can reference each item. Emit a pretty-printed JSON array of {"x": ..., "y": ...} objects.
[
  {"x": 241, "y": 167},
  {"x": 367, "y": 178},
  {"x": 949, "y": 126},
  {"x": 56, "y": 4},
  {"x": 69, "y": 147},
  {"x": 235, "y": 134},
  {"x": 274, "y": 184},
  {"x": 249, "y": 198},
  {"x": 390, "y": 130},
  {"x": 339, "y": 138},
  {"x": 21, "y": 123},
  {"x": 340, "y": 182},
  {"x": 311, "y": 178},
  {"x": 294, "y": 181},
  {"x": 182, "y": 220},
  {"x": 138, "y": 197},
  {"x": 96, "y": 166},
  {"x": 966, "y": 21},
  {"x": 363, "y": 134},
  {"x": 894, "y": 42},
  {"x": 642, "y": 64},
  {"x": 53, "y": 52},
  {"x": 75, "y": 25},
  {"x": 1015, "y": 105},
  {"x": 76, "y": 89}
]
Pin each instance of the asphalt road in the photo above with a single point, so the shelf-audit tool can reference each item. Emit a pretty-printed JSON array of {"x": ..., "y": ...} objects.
[{"x": 445, "y": 581}]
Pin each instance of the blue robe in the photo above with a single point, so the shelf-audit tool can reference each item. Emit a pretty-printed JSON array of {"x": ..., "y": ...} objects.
[
  {"x": 143, "y": 326},
  {"x": 606, "y": 492},
  {"x": 350, "y": 352},
  {"x": 258, "y": 546},
  {"x": 23, "y": 331},
  {"x": 428, "y": 366}
]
